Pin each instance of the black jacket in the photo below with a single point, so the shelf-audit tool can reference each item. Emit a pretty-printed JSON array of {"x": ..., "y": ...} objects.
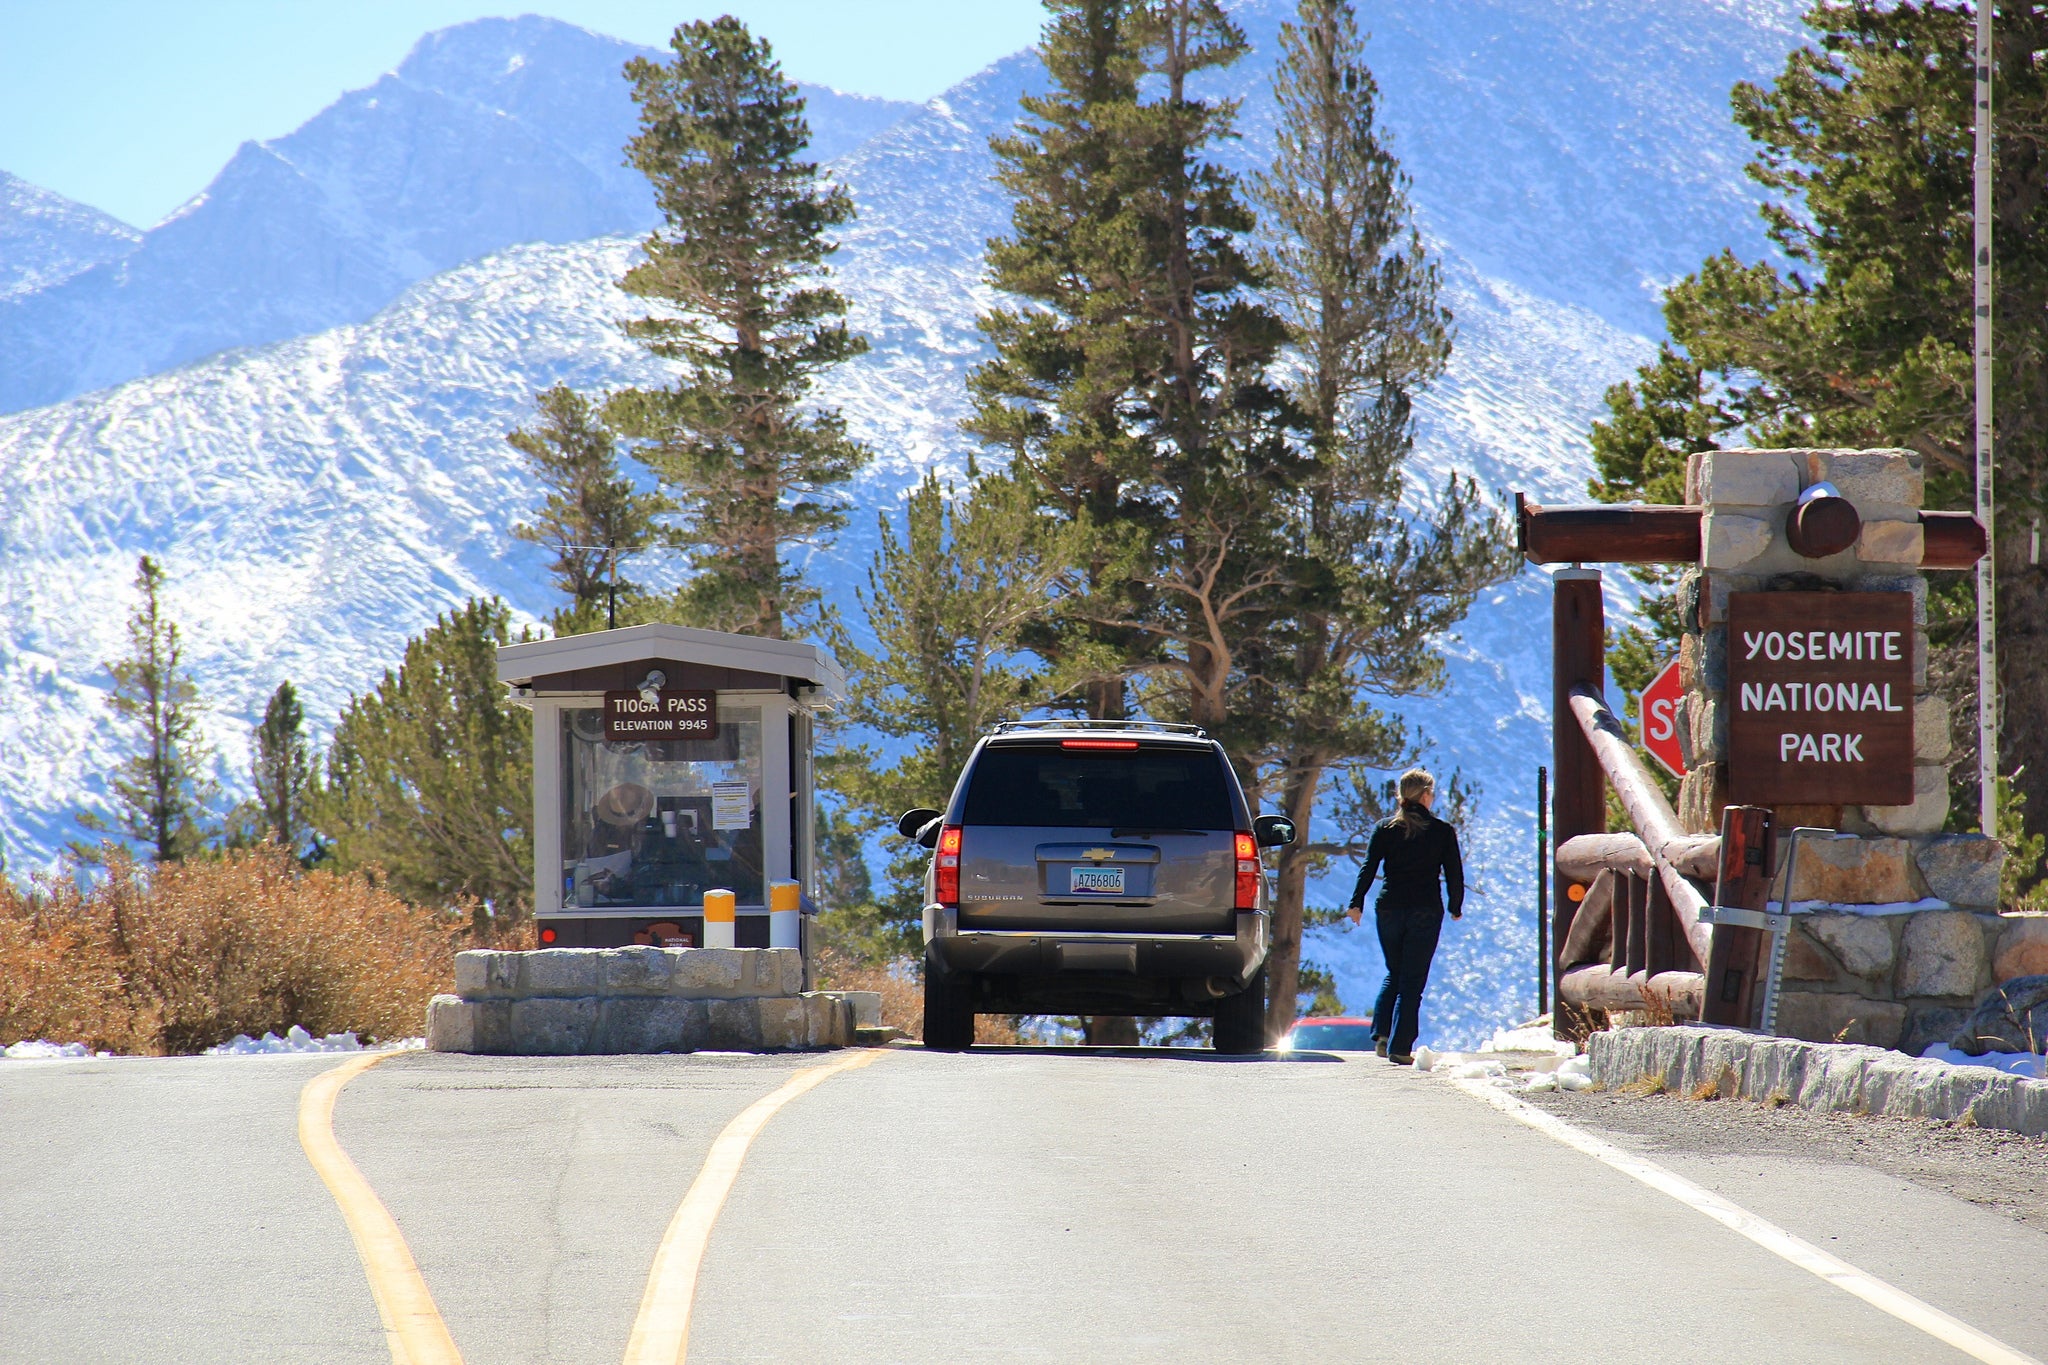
[{"x": 1412, "y": 863}]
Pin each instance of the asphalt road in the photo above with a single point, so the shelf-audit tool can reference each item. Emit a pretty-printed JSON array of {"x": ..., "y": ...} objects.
[{"x": 1024, "y": 1205}]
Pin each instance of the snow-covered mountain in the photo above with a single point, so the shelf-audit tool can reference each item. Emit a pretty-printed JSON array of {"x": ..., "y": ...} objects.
[
  {"x": 489, "y": 134},
  {"x": 46, "y": 239},
  {"x": 319, "y": 499}
]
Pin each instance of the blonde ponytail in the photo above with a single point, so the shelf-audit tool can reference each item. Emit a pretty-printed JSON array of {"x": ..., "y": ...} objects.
[{"x": 1415, "y": 784}]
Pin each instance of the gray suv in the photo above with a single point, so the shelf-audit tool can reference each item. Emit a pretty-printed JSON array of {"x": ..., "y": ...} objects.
[{"x": 1096, "y": 868}]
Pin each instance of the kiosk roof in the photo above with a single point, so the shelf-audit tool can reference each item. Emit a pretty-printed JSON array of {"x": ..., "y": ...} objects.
[{"x": 795, "y": 660}]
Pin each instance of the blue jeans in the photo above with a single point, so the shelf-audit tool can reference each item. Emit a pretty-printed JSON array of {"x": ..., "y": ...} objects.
[{"x": 1408, "y": 936}]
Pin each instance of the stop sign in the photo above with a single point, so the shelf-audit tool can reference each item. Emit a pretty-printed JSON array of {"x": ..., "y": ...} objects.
[{"x": 1663, "y": 711}]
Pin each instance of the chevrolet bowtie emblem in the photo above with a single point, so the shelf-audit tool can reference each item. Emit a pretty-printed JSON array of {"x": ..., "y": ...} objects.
[{"x": 1099, "y": 855}]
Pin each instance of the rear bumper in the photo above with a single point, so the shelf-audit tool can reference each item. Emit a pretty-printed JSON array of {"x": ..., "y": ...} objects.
[{"x": 1017, "y": 967}]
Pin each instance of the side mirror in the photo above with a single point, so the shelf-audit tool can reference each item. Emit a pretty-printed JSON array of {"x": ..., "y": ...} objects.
[
  {"x": 1273, "y": 831},
  {"x": 921, "y": 825}
]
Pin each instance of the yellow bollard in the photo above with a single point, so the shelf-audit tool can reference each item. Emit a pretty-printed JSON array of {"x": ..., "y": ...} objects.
[
  {"x": 785, "y": 901},
  {"x": 718, "y": 918}
]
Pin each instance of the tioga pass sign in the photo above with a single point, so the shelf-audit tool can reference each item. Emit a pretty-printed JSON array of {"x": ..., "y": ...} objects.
[
  {"x": 660, "y": 715},
  {"x": 1820, "y": 698}
]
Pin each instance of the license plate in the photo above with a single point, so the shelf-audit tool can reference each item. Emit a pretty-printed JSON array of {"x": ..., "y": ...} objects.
[{"x": 1097, "y": 880}]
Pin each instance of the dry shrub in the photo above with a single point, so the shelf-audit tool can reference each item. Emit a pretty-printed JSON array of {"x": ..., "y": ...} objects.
[
  {"x": 902, "y": 993},
  {"x": 897, "y": 982},
  {"x": 178, "y": 957},
  {"x": 55, "y": 983},
  {"x": 1656, "y": 1009}
]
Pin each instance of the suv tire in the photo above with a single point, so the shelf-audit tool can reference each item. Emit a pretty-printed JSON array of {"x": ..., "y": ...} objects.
[
  {"x": 1240, "y": 1024},
  {"x": 948, "y": 1014}
]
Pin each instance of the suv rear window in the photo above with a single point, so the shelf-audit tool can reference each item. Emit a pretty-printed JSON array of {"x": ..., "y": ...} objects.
[{"x": 1146, "y": 788}]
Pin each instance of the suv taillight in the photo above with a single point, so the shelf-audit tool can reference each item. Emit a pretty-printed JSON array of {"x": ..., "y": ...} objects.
[
  {"x": 1247, "y": 872},
  {"x": 947, "y": 871}
]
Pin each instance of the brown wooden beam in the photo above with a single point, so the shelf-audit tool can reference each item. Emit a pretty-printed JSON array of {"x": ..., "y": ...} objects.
[
  {"x": 1655, "y": 823},
  {"x": 1732, "y": 994},
  {"x": 1638, "y": 533},
  {"x": 1953, "y": 540},
  {"x": 1603, "y": 533},
  {"x": 1600, "y": 987},
  {"x": 1578, "y": 793},
  {"x": 1636, "y": 957},
  {"x": 1587, "y": 856},
  {"x": 1661, "y": 958},
  {"x": 1590, "y": 925}
]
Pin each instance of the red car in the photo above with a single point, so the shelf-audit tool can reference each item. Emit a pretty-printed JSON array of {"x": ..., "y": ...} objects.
[{"x": 1329, "y": 1034}]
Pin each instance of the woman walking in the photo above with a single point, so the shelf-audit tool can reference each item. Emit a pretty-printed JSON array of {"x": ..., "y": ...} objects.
[{"x": 1415, "y": 848}]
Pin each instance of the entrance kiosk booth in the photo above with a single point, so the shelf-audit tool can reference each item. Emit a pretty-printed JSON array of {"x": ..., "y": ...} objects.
[{"x": 670, "y": 762}]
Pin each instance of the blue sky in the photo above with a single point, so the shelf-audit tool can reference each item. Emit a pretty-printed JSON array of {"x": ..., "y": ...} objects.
[{"x": 132, "y": 105}]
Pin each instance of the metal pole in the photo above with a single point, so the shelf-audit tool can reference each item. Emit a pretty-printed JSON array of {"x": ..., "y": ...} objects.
[
  {"x": 1542, "y": 889},
  {"x": 1987, "y": 579},
  {"x": 611, "y": 595}
]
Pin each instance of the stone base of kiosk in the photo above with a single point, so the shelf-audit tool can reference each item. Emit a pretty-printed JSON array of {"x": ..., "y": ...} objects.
[{"x": 580, "y": 1001}]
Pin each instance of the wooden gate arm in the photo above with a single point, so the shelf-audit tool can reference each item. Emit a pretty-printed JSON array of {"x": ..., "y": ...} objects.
[{"x": 1656, "y": 824}]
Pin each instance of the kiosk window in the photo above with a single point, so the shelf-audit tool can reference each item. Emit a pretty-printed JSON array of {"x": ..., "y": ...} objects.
[{"x": 656, "y": 824}]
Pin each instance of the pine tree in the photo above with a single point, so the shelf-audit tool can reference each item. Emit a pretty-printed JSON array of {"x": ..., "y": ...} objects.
[
  {"x": 592, "y": 514},
  {"x": 430, "y": 775},
  {"x": 1133, "y": 387},
  {"x": 739, "y": 265},
  {"x": 163, "y": 793},
  {"x": 1865, "y": 141},
  {"x": 1361, "y": 300},
  {"x": 281, "y": 769},
  {"x": 948, "y": 662}
]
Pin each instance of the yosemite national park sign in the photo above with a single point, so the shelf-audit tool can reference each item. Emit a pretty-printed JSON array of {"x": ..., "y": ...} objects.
[{"x": 1820, "y": 698}]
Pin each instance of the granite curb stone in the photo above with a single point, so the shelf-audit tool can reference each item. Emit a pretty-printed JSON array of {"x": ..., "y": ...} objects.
[{"x": 1846, "y": 1078}]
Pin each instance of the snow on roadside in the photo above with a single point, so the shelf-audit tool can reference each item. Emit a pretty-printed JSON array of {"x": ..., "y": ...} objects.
[
  {"x": 1534, "y": 1036},
  {"x": 2017, "y": 1063},
  {"x": 297, "y": 1041},
  {"x": 38, "y": 1050},
  {"x": 1525, "y": 1058}
]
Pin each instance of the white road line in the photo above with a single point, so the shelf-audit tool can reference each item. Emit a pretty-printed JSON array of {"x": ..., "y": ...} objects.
[
  {"x": 1837, "y": 1272},
  {"x": 661, "y": 1331}
]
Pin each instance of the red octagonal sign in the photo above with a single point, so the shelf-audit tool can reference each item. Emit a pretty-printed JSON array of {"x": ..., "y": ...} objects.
[{"x": 1663, "y": 710}]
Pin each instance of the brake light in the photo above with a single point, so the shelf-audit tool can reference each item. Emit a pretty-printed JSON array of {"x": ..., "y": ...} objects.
[
  {"x": 1247, "y": 872},
  {"x": 946, "y": 874},
  {"x": 547, "y": 935},
  {"x": 1098, "y": 744}
]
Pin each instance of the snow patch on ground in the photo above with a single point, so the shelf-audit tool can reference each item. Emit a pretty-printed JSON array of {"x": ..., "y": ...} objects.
[
  {"x": 1886, "y": 908},
  {"x": 297, "y": 1041},
  {"x": 2016, "y": 1063},
  {"x": 1525, "y": 1058},
  {"x": 38, "y": 1050},
  {"x": 1532, "y": 1037}
]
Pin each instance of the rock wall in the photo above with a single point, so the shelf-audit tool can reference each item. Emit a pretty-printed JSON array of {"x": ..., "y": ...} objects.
[{"x": 573, "y": 1001}]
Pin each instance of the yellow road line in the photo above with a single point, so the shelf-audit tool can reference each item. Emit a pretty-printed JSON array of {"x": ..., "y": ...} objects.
[
  {"x": 1877, "y": 1293},
  {"x": 412, "y": 1325},
  {"x": 661, "y": 1332}
]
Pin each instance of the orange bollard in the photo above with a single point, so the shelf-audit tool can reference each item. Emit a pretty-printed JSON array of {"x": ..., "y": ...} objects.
[{"x": 719, "y": 906}]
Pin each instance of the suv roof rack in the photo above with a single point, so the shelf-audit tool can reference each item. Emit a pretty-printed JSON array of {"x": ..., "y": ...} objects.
[{"x": 1163, "y": 727}]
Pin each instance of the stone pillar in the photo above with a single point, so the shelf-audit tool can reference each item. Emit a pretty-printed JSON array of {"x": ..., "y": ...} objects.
[{"x": 1890, "y": 856}]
